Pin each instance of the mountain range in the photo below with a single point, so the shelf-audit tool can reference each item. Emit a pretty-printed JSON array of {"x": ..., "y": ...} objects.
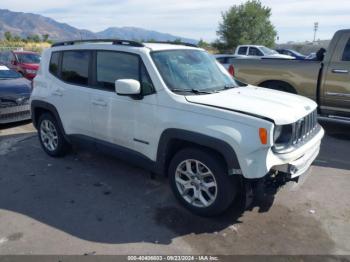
[{"x": 27, "y": 24}]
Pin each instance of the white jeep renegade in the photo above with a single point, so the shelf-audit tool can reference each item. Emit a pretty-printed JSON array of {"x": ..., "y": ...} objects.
[{"x": 173, "y": 110}]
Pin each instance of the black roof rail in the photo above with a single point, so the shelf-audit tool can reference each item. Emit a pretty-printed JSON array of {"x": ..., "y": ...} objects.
[
  {"x": 113, "y": 41},
  {"x": 172, "y": 43}
]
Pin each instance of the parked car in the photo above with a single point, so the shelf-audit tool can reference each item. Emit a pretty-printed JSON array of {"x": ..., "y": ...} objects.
[
  {"x": 292, "y": 53},
  {"x": 258, "y": 52},
  {"x": 24, "y": 62},
  {"x": 326, "y": 81},
  {"x": 175, "y": 111},
  {"x": 311, "y": 56},
  {"x": 226, "y": 61},
  {"x": 14, "y": 96}
]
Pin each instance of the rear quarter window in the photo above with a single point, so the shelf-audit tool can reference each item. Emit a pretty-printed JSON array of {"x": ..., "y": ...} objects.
[{"x": 54, "y": 63}]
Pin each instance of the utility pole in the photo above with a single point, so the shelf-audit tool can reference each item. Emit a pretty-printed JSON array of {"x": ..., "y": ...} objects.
[{"x": 315, "y": 30}]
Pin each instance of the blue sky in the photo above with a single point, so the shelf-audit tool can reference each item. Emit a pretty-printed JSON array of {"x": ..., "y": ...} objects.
[{"x": 197, "y": 19}]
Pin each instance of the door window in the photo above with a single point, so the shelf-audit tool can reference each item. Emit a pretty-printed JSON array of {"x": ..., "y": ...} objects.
[
  {"x": 253, "y": 51},
  {"x": 112, "y": 66},
  {"x": 242, "y": 50},
  {"x": 75, "y": 67},
  {"x": 346, "y": 53}
]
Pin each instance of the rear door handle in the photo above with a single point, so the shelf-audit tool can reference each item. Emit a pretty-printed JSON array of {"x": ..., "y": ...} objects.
[
  {"x": 340, "y": 71},
  {"x": 99, "y": 103},
  {"x": 57, "y": 93}
]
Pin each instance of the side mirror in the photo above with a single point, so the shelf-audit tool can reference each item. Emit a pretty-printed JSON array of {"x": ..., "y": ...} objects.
[{"x": 127, "y": 87}]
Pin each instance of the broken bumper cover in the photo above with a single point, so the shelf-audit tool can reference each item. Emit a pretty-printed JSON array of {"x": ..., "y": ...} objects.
[
  {"x": 14, "y": 113},
  {"x": 299, "y": 166}
]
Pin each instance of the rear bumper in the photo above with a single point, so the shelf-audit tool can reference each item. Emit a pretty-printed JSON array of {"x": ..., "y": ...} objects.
[{"x": 14, "y": 114}]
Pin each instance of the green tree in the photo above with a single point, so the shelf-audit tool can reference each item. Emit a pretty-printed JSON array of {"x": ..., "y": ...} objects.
[
  {"x": 45, "y": 37},
  {"x": 17, "y": 38},
  {"x": 203, "y": 44},
  {"x": 247, "y": 23},
  {"x": 33, "y": 38},
  {"x": 8, "y": 36},
  {"x": 176, "y": 41}
]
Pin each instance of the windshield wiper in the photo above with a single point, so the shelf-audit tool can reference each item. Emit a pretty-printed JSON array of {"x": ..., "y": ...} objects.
[
  {"x": 226, "y": 87},
  {"x": 193, "y": 90},
  {"x": 229, "y": 86}
]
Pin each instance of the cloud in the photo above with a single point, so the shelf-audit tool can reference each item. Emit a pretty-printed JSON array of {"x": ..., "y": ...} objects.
[{"x": 293, "y": 19}]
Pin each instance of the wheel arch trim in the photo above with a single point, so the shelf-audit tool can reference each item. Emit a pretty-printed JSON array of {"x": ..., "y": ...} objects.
[
  {"x": 37, "y": 104},
  {"x": 199, "y": 139}
]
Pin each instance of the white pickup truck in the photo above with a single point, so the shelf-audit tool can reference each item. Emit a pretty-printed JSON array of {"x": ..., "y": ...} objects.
[{"x": 257, "y": 52}]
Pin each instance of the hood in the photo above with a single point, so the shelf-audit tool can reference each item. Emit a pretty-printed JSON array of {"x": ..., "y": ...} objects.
[
  {"x": 30, "y": 66},
  {"x": 15, "y": 87},
  {"x": 281, "y": 107}
]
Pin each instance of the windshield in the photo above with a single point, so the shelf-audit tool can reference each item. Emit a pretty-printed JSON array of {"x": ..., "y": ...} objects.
[
  {"x": 297, "y": 53},
  {"x": 268, "y": 51},
  {"x": 185, "y": 70},
  {"x": 9, "y": 74},
  {"x": 28, "y": 58}
]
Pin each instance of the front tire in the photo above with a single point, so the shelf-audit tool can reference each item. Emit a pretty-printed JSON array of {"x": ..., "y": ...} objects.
[
  {"x": 51, "y": 137},
  {"x": 200, "y": 181}
]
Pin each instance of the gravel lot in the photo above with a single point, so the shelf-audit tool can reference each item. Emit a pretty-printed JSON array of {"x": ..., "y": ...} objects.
[{"x": 87, "y": 203}]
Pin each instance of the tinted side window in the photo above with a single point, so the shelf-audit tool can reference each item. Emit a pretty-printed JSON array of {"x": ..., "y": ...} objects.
[
  {"x": 75, "y": 67},
  {"x": 242, "y": 50},
  {"x": 54, "y": 62},
  {"x": 112, "y": 66},
  {"x": 346, "y": 54},
  {"x": 254, "y": 51}
]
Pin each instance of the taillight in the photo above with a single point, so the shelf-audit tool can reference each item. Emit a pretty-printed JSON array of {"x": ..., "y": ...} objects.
[{"x": 231, "y": 70}]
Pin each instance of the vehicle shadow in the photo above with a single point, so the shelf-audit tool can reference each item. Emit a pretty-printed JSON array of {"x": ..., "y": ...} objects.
[
  {"x": 15, "y": 124},
  {"x": 334, "y": 154},
  {"x": 97, "y": 198}
]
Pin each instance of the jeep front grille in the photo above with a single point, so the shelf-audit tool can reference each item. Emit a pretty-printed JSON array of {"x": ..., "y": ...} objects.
[{"x": 305, "y": 129}]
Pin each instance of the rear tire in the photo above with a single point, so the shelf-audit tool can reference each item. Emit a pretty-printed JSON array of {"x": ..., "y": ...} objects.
[
  {"x": 51, "y": 137},
  {"x": 199, "y": 180}
]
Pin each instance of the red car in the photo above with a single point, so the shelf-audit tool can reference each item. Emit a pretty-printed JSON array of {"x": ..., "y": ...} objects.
[{"x": 24, "y": 62}]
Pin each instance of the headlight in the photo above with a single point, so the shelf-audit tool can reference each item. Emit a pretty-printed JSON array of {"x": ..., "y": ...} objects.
[
  {"x": 282, "y": 137},
  {"x": 30, "y": 71}
]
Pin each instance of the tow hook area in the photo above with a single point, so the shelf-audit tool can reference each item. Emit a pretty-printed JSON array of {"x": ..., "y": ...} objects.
[{"x": 261, "y": 192}]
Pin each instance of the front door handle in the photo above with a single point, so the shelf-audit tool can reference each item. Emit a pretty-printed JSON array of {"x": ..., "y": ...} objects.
[
  {"x": 99, "y": 103},
  {"x": 340, "y": 71}
]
